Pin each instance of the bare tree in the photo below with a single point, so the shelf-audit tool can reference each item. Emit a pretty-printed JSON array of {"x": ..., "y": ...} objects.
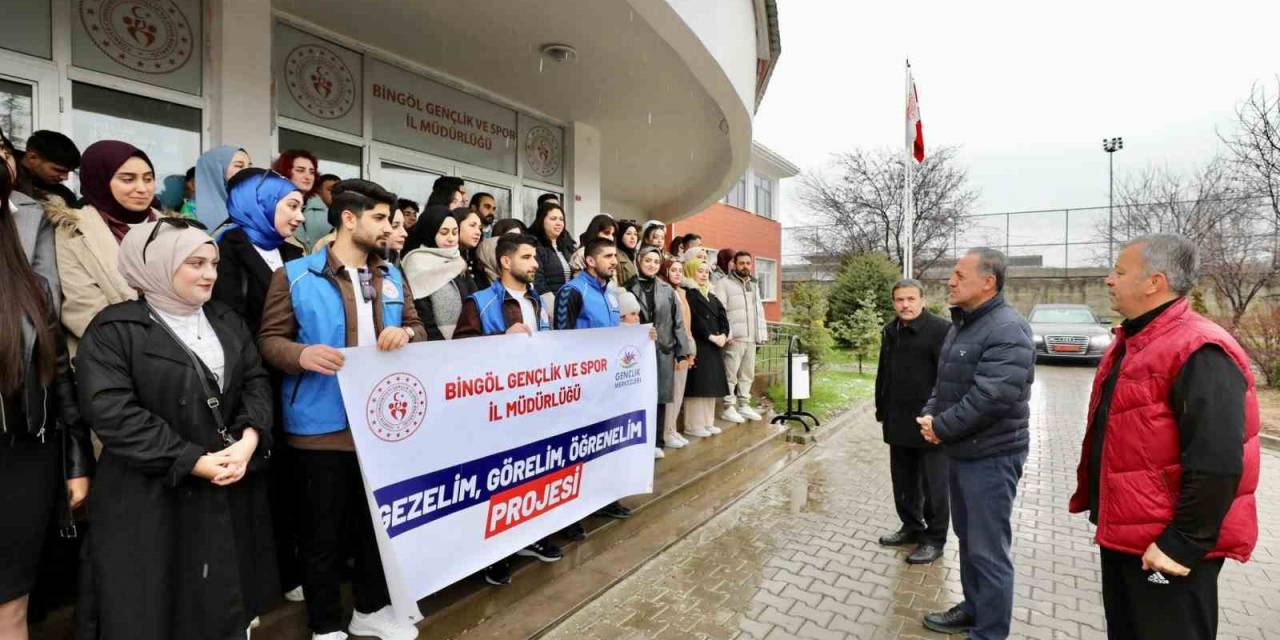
[
  {"x": 858, "y": 205},
  {"x": 1254, "y": 147}
]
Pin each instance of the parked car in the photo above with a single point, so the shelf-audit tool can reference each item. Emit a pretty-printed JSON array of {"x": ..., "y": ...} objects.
[{"x": 1068, "y": 332}]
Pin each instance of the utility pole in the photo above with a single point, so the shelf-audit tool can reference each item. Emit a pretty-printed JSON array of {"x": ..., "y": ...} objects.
[{"x": 1111, "y": 146}]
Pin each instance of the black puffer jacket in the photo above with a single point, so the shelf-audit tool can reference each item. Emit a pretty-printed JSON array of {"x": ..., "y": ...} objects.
[
  {"x": 980, "y": 401},
  {"x": 551, "y": 272}
]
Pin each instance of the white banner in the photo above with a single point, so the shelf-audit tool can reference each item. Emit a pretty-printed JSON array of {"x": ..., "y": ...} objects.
[{"x": 473, "y": 449}]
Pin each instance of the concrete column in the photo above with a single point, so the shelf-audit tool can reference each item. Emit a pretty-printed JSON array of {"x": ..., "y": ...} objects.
[
  {"x": 241, "y": 108},
  {"x": 583, "y": 176}
]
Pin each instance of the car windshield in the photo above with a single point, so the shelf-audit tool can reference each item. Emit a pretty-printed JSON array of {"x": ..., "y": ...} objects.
[{"x": 1063, "y": 316}]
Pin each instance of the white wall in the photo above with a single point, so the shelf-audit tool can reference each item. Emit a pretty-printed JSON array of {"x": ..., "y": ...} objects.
[
  {"x": 583, "y": 175},
  {"x": 727, "y": 28},
  {"x": 240, "y": 106}
]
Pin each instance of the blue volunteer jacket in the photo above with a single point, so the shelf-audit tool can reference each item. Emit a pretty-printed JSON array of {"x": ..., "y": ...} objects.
[
  {"x": 489, "y": 305},
  {"x": 586, "y": 303},
  {"x": 312, "y": 401}
]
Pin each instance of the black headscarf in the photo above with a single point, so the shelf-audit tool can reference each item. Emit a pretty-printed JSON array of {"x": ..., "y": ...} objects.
[{"x": 423, "y": 233}]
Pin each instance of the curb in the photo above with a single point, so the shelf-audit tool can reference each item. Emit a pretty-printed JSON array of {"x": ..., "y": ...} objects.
[
  {"x": 1269, "y": 441},
  {"x": 835, "y": 424}
]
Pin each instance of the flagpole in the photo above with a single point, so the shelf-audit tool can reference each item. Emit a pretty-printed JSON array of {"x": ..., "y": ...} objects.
[{"x": 908, "y": 219}]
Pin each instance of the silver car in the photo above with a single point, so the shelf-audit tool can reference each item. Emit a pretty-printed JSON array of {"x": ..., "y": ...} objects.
[{"x": 1068, "y": 332}]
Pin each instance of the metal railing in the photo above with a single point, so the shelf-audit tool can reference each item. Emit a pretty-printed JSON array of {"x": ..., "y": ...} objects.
[{"x": 771, "y": 355}]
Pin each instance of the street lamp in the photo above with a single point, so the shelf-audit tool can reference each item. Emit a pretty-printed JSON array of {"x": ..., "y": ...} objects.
[{"x": 1111, "y": 146}]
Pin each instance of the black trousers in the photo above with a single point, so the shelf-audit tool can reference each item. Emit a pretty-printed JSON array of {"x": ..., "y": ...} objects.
[
  {"x": 1139, "y": 608},
  {"x": 920, "y": 490},
  {"x": 335, "y": 525},
  {"x": 661, "y": 439}
]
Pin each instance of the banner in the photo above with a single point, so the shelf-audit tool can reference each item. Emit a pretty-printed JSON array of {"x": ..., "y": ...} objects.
[{"x": 473, "y": 449}]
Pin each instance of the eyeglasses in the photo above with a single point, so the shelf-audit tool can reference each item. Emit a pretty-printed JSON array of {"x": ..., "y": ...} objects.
[
  {"x": 366, "y": 284},
  {"x": 177, "y": 223}
]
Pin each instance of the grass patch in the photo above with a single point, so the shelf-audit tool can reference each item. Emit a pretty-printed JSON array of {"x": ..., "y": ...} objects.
[{"x": 832, "y": 392}]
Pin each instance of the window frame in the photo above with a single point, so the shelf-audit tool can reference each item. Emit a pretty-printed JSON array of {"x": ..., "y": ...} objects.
[{"x": 773, "y": 281}]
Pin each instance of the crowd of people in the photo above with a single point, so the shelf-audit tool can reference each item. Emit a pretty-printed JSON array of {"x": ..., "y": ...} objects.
[{"x": 178, "y": 357}]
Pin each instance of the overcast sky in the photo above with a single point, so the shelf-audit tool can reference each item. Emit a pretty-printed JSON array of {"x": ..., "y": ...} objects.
[{"x": 1026, "y": 89}]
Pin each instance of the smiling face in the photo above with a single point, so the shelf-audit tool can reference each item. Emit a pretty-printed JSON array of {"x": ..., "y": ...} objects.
[
  {"x": 134, "y": 185},
  {"x": 675, "y": 273},
  {"x": 447, "y": 234},
  {"x": 289, "y": 214},
  {"x": 650, "y": 264},
  {"x": 193, "y": 281},
  {"x": 303, "y": 174},
  {"x": 655, "y": 236},
  {"x": 553, "y": 224},
  {"x": 239, "y": 162}
]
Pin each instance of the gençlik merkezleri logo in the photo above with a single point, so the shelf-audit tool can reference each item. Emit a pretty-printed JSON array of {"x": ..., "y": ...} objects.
[
  {"x": 319, "y": 81},
  {"x": 629, "y": 357},
  {"x": 397, "y": 406},
  {"x": 150, "y": 36}
]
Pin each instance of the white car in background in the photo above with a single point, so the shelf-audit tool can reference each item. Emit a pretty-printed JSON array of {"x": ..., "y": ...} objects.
[{"x": 1068, "y": 332}]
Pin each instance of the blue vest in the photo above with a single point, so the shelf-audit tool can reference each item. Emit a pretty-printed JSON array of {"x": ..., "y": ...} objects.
[
  {"x": 489, "y": 304},
  {"x": 599, "y": 305},
  {"x": 312, "y": 401}
]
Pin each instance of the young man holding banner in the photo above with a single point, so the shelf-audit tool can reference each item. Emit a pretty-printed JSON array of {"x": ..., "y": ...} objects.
[
  {"x": 344, "y": 295},
  {"x": 510, "y": 305}
]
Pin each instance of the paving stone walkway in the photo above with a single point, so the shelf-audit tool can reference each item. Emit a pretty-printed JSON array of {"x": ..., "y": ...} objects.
[{"x": 798, "y": 558}]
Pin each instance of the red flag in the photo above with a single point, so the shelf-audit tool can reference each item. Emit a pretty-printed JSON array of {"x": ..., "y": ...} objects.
[{"x": 915, "y": 128}]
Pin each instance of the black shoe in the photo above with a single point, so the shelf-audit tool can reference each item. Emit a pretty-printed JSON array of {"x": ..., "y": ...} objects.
[
  {"x": 574, "y": 532},
  {"x": 498, "y": 574},
  {"x": 542, "y": 550},
  {"x": 615, "y": 510},
  {"x": 899, "y": 538},
  {"x": 953, "y": 620},
  {"x": 926, "y": 553}
]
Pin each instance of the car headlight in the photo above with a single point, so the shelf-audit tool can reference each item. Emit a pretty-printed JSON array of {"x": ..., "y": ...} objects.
[
  {"x": 1101, "y": 341},
  {"x": 1038, "y": 338}
]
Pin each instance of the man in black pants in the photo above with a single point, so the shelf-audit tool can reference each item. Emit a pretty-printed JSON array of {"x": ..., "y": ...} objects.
[
  {"x": 909, "y": 348},
  {"x": 1172, "y": 490}
]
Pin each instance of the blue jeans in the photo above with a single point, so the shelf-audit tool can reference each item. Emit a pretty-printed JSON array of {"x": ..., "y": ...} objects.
[{"x": 982, "y": 494}]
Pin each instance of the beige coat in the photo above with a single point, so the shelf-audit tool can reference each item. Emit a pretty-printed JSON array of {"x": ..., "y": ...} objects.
[{"x": 87, "y": 267}]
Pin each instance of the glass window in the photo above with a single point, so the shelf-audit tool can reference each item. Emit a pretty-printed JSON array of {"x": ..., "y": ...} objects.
[
  {"x": 764, "y": 197},
  {"x": 737, "y": 195},
  {"x": 1063, "y": 315},
  {"x": 407, "y": 182},
  {"x": 767, "y": 274},
  {"x": 27, "y": 27},
  {"x": 529, "y": 202},
  {"x": 168, "y": 133},
  {"x": 342, "y": 160},
  {"x": 501, "y": 195},
  {"x": 17, "y": 118}
]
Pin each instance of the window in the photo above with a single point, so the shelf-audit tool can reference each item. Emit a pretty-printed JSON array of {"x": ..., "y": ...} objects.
[
  {"x": 168, "y": 133},
  {"x": 406, "y": 182},
  {"x": 737, "y": 196},
  {"x": 767, "y": 274},
  {"x": 16, "y": 115},
  {"x": 501, "y": 196},
  {"x": 342, "y": 160},
  {"x": 764, "y": 197},
  {"x": 529, "y": 203}
]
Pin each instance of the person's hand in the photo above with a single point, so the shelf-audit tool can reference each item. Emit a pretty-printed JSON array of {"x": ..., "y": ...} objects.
[
  {"x": 684, "y": 364},
  {"x": 926, "y": 429},
  {"x": 213, "y": 466},
  {"x": 653, "y": 334},
  {"x": 1155, "y": 560},
  {"x": 321, "y": 358},
  {"x": 519, "y": 327},
  {"x": 392, "y": 338},
  {"x": 240, "y": 452},
  {"x": 77, "y": 491}
]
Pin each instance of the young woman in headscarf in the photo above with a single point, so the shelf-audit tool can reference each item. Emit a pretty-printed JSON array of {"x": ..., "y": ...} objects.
[
  {"x": 214, "y": 169},
  {"x": 628, "y": 239},
  {"x": 660, "y": 306},
  {"x": 487, "y": 253},
  {"x": 437, "y": 272},
  {"x": 118, "y": 183},
  {"x": 45, "y": 452},
  {"x": 672, "y": 273},
  {"x": 601, "y": 226},
  {"x": 180, "y": 527},
  {"x": 707, "y": 382},
  {"x": 654, "y": 234}
]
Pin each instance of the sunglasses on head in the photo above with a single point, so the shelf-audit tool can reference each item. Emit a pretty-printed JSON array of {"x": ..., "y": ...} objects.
[{"x": 177, "y": 223}]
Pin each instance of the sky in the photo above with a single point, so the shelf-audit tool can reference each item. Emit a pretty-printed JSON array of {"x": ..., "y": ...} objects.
[{"x": 1027, "y": 90}]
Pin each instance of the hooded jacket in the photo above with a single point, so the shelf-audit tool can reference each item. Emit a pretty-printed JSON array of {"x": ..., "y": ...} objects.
[{"x": 741, "y": 299}]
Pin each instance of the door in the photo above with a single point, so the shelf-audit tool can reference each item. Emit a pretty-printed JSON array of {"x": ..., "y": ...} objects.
[{"x": 28, "y": 98}]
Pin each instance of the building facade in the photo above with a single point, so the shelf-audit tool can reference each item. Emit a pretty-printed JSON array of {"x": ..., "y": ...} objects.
[
  {"x": 641, "y": 108},
  {"x": 747, "y": 219}
]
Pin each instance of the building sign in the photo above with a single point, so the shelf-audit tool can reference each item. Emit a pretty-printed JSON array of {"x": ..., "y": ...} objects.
[
  {"x": 412, "y": 111},
  {"x": 316, "y": 81},
  {"x": 542, "y": 147},
  {"x": 152, "y": 41}
]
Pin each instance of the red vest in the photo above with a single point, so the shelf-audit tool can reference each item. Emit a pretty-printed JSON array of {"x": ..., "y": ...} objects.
[{"x": 1141, "y": 473}]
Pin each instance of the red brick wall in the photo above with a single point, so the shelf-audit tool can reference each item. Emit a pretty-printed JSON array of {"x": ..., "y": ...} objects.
[{"x": 726, "y": 227}]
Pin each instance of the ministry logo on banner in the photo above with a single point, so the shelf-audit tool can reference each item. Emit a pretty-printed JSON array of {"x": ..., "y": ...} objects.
[{"x": 396, "y": 407}]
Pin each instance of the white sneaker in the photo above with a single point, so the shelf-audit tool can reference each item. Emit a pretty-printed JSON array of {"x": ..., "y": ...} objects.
[
  {"x": 381, "y": 624},
  {"x": 658, "y": 454},
  {"x": 295, "y": 595},
  {"x": 714, "y": 430},
  {"x": 730, "y": 414},
  {"x": 681, "y": 439},
  {"x": 697, "y": 432},
  {"x": 749, "y": 413},
  {"x": 332, "y": 635},
  {"x": 672, "y": 443}
]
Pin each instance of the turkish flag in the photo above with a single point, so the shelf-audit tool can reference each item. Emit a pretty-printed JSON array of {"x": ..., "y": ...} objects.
[{"x": 915, "y": 128}]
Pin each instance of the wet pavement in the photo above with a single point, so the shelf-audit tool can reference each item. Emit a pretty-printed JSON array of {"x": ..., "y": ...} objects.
[{"x": 798, "y": 558}]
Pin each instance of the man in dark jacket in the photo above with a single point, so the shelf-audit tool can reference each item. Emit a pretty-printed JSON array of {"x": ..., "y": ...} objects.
[
  {"x": 49, "y": 158},
  {"x": 909, "y": 349},
  {"x": 1172, "y": 490},
  {"x": 979, "y": 414}
]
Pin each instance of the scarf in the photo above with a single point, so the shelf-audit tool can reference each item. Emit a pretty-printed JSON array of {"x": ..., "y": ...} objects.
[
  {"x": 98, "y": 165},
  {"x": 691, "y": 276},
  {"x": 429, "y": 268},
  {"x": 254, "y": 194},
  {"x": 211, "y": 184},
  {"x": 487, "y": 256},
  {"x": 153, "y": 278}
]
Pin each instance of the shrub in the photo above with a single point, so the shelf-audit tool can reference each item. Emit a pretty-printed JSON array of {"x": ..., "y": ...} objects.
[
  {"x": 866, "y": 274},
  {"x": 807, "y": 307},
  {"x": 1259, "y": 333},
  {"x": 862, "y": 331}
]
